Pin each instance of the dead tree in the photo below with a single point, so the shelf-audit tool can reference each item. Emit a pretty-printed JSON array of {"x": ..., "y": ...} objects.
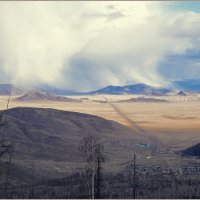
[
  {"x": 32, "y": 179},
  {"x": 100, "y": 160},
  {"x": 93, "y": 152},
  {"x": 6, "y": 148},
  {"x": 133, "y": 176},
  {"x": 10, "y": 153}
]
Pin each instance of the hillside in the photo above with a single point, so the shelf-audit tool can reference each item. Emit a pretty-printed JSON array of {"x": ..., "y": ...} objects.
[
  {"x": 33, "y": 130},
  {"x": 192, "y": 151},
  {"x": 44, "y": 96},
  {"x": 51, "y": 138}
]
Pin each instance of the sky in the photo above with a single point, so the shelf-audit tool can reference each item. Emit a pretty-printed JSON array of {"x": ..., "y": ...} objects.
[{"x": 87, "y": 45}]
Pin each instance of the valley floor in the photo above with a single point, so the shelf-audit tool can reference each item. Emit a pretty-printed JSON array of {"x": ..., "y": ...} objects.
[{"x": 175, "y": 125}]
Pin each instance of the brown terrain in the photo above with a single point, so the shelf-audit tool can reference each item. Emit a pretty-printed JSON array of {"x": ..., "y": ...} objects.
[{"x": 52, "y": 137}]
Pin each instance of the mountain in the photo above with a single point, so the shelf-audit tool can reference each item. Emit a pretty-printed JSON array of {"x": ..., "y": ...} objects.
[
  {"x": 133, "y": 89},
  {"x": 192, "y": 151},
  {"x": 5, "y": 89},
  {"x": 144, "y": 100},
  {"x": 187, "y": 85},
  {"x": 181, "y": 93},
  {"x": 44, "y": 96}
]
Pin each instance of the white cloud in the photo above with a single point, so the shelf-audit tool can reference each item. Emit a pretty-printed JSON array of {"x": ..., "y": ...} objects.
[{"x": 86, "y": 45}]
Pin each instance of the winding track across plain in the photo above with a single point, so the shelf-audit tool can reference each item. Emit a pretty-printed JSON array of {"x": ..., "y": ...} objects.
[{"x": 156, "y": 144}]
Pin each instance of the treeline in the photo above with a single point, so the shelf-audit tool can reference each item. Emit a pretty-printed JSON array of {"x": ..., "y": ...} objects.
[{"x": 114, "y": 185}]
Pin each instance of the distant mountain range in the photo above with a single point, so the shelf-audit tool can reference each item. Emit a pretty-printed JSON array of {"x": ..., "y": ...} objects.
[
  {"x": 140, "y": 88},
  {"x": 133, "y": 89}
]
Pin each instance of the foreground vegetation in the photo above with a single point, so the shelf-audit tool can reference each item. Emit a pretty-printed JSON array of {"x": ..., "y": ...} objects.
[{"x": 120, "y": 185}]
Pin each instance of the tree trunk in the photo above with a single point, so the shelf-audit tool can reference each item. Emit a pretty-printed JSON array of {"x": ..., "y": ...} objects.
[
  {"x": 134, "y": 177},
  {"x": 93, "y": 169},
  {"x": 98, "y": 175}
]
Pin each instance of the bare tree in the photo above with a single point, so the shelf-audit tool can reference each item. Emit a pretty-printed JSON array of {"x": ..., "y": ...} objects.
[
  {"x": 93, "y": 152},
  {"x": 32, "y": 168},
  {"x": 6, "y": 147},
  {"x": 100, "y": 158},
  {"x": 133, "y": 177}
]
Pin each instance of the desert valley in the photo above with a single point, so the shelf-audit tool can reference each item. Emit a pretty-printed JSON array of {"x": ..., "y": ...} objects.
[{"x": 46, "y": 129}]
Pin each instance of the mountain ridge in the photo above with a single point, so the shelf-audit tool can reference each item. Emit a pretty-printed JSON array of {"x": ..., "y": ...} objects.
[{"x": 138, "y": 88}]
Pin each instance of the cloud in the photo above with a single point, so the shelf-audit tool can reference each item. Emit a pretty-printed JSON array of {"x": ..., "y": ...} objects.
[
  {"x": 109, "y": 16},
  {"x": 87, "y": 45}
]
